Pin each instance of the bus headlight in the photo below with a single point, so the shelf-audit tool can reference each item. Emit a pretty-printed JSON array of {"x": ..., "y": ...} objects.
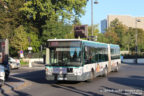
[
  {"x": 48, "y": 71},
  {"x": 78, "y": 71}
]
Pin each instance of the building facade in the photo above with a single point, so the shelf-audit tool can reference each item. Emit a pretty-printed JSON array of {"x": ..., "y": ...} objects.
[{"x": 130, "y": 21}]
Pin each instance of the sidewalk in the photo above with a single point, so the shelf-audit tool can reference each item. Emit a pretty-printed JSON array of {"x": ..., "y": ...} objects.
[
  {"x": 35, "y": 65},
  {"x": 13, "y": 85}
]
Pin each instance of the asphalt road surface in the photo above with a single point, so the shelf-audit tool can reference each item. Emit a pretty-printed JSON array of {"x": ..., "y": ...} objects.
[{"x": 129, "y": 81}]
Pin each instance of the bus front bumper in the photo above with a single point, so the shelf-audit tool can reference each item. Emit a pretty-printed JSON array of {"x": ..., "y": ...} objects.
[{"x": 65, "y": 77}]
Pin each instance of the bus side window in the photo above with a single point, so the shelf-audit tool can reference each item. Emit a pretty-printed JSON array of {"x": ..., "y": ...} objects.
[{"x": 97, "y": 57}]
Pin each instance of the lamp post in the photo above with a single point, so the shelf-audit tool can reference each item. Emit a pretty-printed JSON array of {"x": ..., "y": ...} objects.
[
  {"x": 136, "y": 37},
  {"x": 96, "y": 2}
]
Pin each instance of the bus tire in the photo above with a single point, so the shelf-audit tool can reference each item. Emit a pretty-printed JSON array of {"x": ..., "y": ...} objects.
[
  {"x": 117, "y": 68},
  {"x": 91, "y": 77},
  {"x": 105, "y": 72}
]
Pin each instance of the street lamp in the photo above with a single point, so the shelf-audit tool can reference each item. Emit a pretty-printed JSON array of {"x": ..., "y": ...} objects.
[
  {"x": 136, "y": 47},
  {"x": 96, "y": 2}
]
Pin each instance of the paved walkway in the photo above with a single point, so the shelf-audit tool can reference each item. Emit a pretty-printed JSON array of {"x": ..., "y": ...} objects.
[{"x": 13, "y": 85}]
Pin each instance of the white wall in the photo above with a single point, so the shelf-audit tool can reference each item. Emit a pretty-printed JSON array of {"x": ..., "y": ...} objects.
[{"x": 133, "y": 60}]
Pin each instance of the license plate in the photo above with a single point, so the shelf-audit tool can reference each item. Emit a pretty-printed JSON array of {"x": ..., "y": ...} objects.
[
  {"x": 60, "y": 70},
  {"x": 60, "y": 78}
]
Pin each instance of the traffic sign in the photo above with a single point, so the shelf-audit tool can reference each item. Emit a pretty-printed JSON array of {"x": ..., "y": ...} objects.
[
  {"x": 29, "y": 48},
  {"x": 21, "y": 51}
]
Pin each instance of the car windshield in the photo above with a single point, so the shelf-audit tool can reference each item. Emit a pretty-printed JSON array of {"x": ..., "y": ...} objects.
[
  {"x": 11, "y": 59},
  {"x": 69, "y": 56}
]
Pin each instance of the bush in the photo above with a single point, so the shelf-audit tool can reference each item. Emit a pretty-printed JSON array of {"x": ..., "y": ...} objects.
[
  {"x": 23, "y": 62},
  {"x": 131, "y": 56}
]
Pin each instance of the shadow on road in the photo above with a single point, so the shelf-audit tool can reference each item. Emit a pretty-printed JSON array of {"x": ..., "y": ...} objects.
[
  {"x": 11, "y": 79},
  {"x": 18, "y": 93},
  {"x": 132, "y": 81},
  {"x": 75, "y": 90},
  {"x": 39, "y": 77},
  {"x": 35, "y": 76}
]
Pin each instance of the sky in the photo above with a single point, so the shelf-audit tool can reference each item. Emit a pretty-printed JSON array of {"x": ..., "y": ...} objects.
[{"x": 112, "y": 7}]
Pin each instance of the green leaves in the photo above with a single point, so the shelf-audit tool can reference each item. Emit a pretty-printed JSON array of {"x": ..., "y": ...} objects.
[
  {"x": 95, "y": 30},
  {"x": 53, "y": 9},
  {"x": 39, "y": 20},
  {"x": 55, "y": 29},
  {"x": 35, "y": 42},
  {"x": 124, "y": 36},
  {"x": 19, "y": 40}
]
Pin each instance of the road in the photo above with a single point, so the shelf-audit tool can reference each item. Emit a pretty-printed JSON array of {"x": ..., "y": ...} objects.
[{"x": 129, "y": 81}]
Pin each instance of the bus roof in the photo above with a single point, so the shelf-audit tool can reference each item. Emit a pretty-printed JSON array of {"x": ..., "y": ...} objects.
[
  {"x": 114, "y": 46},
  {"x": 87, "y": 42},
  {"x": 64, "y": 40}
]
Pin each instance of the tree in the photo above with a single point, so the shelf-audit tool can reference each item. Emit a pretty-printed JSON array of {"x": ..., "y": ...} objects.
[
  {"x": 6, "y": 31},
  {"x": 55, "y": 30},
  {"x": 52, "y": 9},
  {"x": 10, "y": 13},
  {"x": 125, "y": 36},
  {"x": 140, "y": 39},
  {"x": 19, "y": 40},
  {"x": 40, "y": 11},
  {"x": 128, "y": 41},
  {"x": 102, "y": 38},
  {"x": 95, "y": 30},
  {"x": 119, "y": 29},
  {"x": 11, "y": 21},
  {"x": 32, "y": 33},
  {"x": 111, "y": 36}
]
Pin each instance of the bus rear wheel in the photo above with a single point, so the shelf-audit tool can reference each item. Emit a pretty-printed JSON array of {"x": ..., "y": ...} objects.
[{"x": 117, "y": 68}]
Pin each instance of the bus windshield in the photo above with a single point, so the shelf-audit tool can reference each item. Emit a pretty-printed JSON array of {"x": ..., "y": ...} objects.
[{"x": 67, "y": 56}]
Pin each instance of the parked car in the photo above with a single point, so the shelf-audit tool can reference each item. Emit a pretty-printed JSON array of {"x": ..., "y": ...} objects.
[
  {"x": 2, "y": 75},
  {"x": 14, "y": 63}
]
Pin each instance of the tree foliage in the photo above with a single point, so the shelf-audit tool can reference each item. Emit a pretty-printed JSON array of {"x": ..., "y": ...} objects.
[
  {"x": 95, "y": 30},
  {"x": 39, "y": 20},
  {"x": 55, "y": 29},
  {"x": 102, "y": 38},
  {"x": 112, "y": 36},
  {"x": 124, "y": 36},
  {"x": 53, "y": 9},
  {"x": 19, "y": 40},
  {"x": 42, "y": 11}
]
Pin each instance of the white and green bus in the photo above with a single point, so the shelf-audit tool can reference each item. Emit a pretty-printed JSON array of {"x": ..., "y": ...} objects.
[{"x": 80, "y": 60}]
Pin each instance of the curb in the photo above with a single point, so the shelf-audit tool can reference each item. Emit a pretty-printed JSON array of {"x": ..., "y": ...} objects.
[
  {"x": 24, "y": 85},
  {"x": 33, "y": 67},
  {"x": 6, "y": 88}
]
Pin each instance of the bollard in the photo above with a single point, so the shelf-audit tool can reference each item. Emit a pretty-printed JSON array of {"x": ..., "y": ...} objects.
[{"x": 30, "y": 63}]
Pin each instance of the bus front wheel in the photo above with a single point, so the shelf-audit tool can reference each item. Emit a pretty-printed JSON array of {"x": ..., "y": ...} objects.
[
  {"x": 105, "y": 72},
  {"x": 91, "y": 76}
]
